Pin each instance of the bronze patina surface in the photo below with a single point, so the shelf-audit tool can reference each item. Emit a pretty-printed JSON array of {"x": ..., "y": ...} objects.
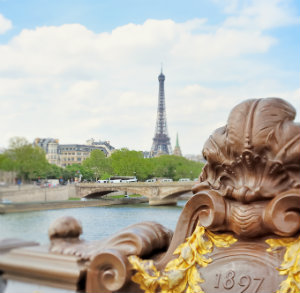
[{"x": 238, "y": 233}]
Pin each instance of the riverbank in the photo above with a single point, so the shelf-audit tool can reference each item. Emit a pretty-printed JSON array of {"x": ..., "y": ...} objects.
[
  {"x": 66, "y": 204},
  {"x": 34, "y": 193}
]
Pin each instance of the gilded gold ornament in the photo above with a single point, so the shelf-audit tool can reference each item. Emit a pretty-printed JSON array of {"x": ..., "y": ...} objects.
[
  {"x": 290, "y": 265},
  {"x": 180, "y": 274}
]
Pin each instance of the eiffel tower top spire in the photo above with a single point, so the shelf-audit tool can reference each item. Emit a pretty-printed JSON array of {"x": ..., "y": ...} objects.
[{"x": 161, "y": 141}]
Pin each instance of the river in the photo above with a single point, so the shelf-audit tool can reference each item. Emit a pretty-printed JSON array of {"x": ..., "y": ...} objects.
[{"x": 97, "y": 222}]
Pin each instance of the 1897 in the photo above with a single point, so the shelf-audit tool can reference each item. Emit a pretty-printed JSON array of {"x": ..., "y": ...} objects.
[{"x": 229, "y": 281}]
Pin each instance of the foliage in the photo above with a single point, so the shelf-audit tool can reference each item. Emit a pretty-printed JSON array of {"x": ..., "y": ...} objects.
[
  {"x": 122, "y": 196},
  {"x": 71, "y": 171},
  {"x": 132, "y": 163},
  {"x": 175, "y": 167},
  {"x": 129, "y": 163},
  {"x": 6, "y": 163},
  {"x": 53, "y": 172},
  {"x": 97, "y": 163},
  {"x": 28, "y": 161}
]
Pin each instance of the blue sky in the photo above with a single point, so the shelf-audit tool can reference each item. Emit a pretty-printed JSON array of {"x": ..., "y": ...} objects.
[
  {"x": 79, "y": 69},
  {"x": 103, "y": 15}
]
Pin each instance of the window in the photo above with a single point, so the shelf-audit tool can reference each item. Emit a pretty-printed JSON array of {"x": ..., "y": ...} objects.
[{"x": 78, "y": 159}]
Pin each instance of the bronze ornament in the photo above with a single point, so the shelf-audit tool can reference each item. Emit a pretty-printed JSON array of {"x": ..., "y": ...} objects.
[
  {"x": 181, "y": 274},
  {"x": 250, "y": 186},
  {"x": 291, "y": 264},
  {"x": 240, "y": 232}
]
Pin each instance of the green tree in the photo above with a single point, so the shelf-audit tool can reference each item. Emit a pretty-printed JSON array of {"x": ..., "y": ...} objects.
[
  {"x": 53, "y": 172},
  {"x": 28, "y": 161},
  {"x": 175, "y": 167},
  {"x": 71, "y": 172},
  {"x": 130, "y": 163},
  {"x": 98, "y": 164},
  {"x": 6, "y": 163}
]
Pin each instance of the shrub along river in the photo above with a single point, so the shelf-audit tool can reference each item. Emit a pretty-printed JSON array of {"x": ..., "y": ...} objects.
[{"x": 97, "y": 222}]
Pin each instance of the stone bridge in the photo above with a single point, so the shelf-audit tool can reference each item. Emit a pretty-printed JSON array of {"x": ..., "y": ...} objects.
[{"x": 158, "y": 193}]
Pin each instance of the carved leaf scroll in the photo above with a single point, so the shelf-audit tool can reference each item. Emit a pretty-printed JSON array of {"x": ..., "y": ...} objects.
[
  {"x": 256, "y": 155},
  {"x": 109, "y": 269},
  {"x": 255, "y": 158},
  {"x": 181, "y": 274}
]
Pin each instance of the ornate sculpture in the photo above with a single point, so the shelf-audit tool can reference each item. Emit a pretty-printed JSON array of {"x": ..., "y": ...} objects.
[
  {"x": 253, "y": 163},
  {"x": 238, "y": 233},
  {"x": 250, "y": 186}
]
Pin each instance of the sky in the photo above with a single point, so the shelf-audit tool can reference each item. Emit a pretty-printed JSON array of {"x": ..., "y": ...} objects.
[{"x": 80, "y": 69}]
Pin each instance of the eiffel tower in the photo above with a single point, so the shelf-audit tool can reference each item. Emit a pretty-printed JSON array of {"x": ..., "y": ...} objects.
[{"x": 161, "y": 141}]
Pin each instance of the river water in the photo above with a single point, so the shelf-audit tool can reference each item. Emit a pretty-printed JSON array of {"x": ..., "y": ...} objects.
[{"x": 97, "y": 222}]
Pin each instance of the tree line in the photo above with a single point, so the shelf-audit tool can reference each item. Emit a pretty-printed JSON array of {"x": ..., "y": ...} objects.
[{"x": 30, "y": 163}]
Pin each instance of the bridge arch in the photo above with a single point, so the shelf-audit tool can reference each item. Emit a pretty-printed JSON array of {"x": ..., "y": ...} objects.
[
  {"x": 158, "y": 193},
  {"x": 168, "y": 199},
  {"x": 177, "y": 194},
  {"x": 99, "y": 193}
]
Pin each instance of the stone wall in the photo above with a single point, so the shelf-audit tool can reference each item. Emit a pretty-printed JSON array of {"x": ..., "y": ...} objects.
[
  {"x": 35, "y": 193},
  {"x": 7, "y": 177}
]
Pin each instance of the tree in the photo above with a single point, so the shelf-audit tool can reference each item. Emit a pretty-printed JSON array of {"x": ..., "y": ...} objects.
[
  {"x": 98, "y": 164},
  {"x": 71, "y": 171},
  {"x": 28, "y": 161},
  {"x": 130, "y": 163},
  {"x": 53, "y": 172},
  {"x": 175, "y": 167},
  {"x": 6, "y": 163}
]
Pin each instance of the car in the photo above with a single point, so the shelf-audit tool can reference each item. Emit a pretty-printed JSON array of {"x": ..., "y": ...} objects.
[
  {"x": 103, "y": 181},
  {"x": 166, "y": 180},
  {"x": 151, "y": 180},
  {"x": 115, "y": 180},
  {"x": 184, "y": 179},
  {"x": 132, "y": 180}
]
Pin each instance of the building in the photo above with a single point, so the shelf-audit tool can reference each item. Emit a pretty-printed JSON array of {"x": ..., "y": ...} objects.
[
  {"x": 67, "y": 154},
  {"x": 177, "y": 150},
  {"x": 50, "y": 146},
  {"x": 161, "y": 141},
  {"x": 196, "y": 158}
]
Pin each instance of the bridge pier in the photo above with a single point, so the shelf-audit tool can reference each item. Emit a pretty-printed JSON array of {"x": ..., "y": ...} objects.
[{"x": 163, "y": 201}]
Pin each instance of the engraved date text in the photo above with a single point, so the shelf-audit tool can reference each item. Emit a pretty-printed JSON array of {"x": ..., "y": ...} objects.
[{"x": 229, "y": 281}]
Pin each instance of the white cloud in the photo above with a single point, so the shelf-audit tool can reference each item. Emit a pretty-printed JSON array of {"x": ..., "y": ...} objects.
[
  {"x": 258, "y": 14},
  {"x": 70, "y": 83},
  {"x": 5, "y": 24}
]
